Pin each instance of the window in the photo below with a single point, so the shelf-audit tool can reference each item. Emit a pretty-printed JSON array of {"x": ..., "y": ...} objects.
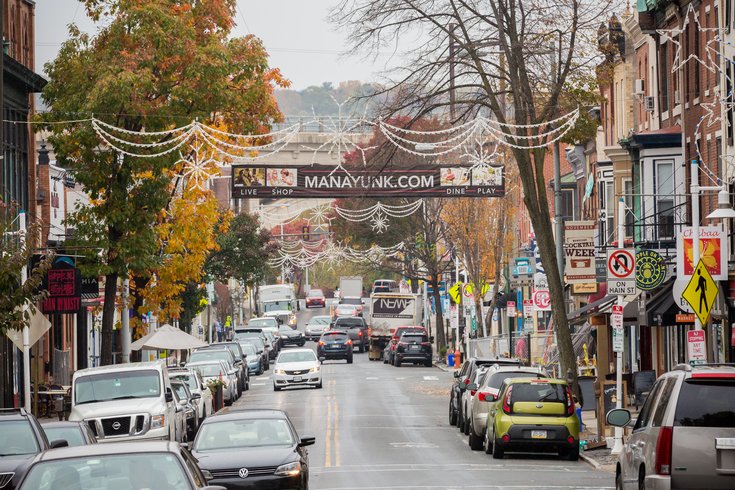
[
  {"x": 647, "y": 408},
  {"x": 664, "y": 182},
  {"x": 707, "y": 25},
  {"x": 567, "y": 204},
  {"x": 629, "y": 214},
  {"x": 663, "y": 402},
  {"x": 710, "y": 404},
  {"x": 695, "y": 66},
  {"x": 664, "y": 74}
]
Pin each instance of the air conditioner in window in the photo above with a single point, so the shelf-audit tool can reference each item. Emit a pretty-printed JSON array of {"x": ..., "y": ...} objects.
[
  {"x": 638, "y": 87},
  {"x": 677, "y": 97},
  {"x": 649, "y": 103}
]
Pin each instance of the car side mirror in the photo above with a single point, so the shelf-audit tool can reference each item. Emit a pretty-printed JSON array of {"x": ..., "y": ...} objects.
[
  {"x": 58, "y": 443},
  {"x": 456, "y": 374},
  {"x": 431, "y": 339},
  {"x": 322, "y": 359},
  {"x": 472, "y": 387},
  {"x": 494, "y": 397},
  {"x": 169, "y": 396},
  {"x": 179, "y": 408},
  {"x": 196, "y": 396},
  {"x": 307, "y": 441},
  {"x": 618, "y": 417}
]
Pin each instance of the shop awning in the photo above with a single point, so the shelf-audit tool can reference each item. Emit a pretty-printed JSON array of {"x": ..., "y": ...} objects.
[
  {"x": 662, "y": 304},
  {"x": 581, "y": 315}
]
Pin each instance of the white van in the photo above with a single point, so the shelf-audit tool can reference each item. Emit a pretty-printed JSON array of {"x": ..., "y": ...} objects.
[
  {"x": 125, "y": 401},
  {"x": 385, "y": 286}
]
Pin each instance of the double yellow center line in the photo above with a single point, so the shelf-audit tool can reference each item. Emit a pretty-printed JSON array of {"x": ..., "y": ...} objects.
[{"x": 332, "y": 438}]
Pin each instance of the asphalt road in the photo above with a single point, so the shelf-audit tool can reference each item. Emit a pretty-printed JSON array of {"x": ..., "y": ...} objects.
[{"x": 378, "y": 426}]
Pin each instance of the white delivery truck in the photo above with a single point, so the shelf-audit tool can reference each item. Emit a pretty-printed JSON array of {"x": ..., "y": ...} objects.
[
  {"x": 277, "y": 297},
  {"x": 389, "y": 311},
  {"x": 350, "y": 287}
]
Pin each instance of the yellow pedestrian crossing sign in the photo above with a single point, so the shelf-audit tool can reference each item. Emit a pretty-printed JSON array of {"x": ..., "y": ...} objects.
[
  {"x": 455, "y": 292},
  {"x": 701, "y": 292}
]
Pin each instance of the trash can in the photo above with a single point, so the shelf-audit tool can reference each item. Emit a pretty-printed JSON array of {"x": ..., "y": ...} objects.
[{"x": 450, "y": 359}]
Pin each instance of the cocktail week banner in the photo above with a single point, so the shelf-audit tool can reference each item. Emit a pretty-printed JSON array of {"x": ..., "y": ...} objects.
[{"x": 390, "y": 181}]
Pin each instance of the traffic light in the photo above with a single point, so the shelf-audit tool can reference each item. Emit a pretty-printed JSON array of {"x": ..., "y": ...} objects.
[{"x": 305, "y": 232}]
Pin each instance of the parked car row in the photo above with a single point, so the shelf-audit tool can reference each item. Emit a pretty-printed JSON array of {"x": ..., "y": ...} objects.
[{"x": 502, "y": 406}]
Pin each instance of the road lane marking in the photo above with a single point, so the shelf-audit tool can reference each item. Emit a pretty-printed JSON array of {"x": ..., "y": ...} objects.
[
  {"x": 431, "y": 378},
  {"x": 372, "y": 378},
  {"x": 328, "y": 438},
  {"x": 336, "y": 434},
  {"x": 257, "y": 384}
]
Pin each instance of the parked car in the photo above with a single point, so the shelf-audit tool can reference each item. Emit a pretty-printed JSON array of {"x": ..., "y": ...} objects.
[
  {"x": 335, "y": 344},
  {"x": 533, "y": 414},
  {"x": 221, "y": 354},
  {"x": 253, "y": 449},
  {"x": 74, "y": 433},
  {"x": 684, "y": 436},
  {"x": 125, "y": 401},
  {"x": 390, "y": 350},
  {"x": 385, "y": 286},
  {"x": 316, "y": 326},
  {"x": 487, "y": 391},
  {"x": 255, "y": 362},
  {"x": 22, "y": 439},
  {"x": 462, "y": 379},
  {"x": 465, "y": 400},
  {"x": 186, "y": 401},
  {"x": 258, "y": 341},
  {"x": 260, "y": 322},
  {"x": 289, "y": 336},
  {"x": 234, "y": 347},
  {"x": 356, "y": 328},
  {"x": 139, "y": 465},
  {"x": 353, "y": 301},
  {"x": 217, "y": 369},
  {"x": 414, "y": 348},
  {"x": 195, "y": 382},
  {"x": 297, "y": 367},
  {"x": 315, "y": 298},
  {"x": 259, "y": 332}
]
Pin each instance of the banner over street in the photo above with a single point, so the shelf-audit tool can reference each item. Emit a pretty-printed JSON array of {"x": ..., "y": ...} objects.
[{"x": 322, "y": 181}]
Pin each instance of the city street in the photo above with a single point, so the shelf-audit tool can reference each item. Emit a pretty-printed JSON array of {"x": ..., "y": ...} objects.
[{"x": 378, "y": 426}]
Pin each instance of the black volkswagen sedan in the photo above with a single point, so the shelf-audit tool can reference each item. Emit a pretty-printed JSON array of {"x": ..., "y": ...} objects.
[
  {"x": 290, "y": 336},
  {"x": 335, "y": 344},
  {"x": 253, "y": 449}
]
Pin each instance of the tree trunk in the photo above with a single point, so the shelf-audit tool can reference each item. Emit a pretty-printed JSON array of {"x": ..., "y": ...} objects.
[{"x": 108, "y": 318}]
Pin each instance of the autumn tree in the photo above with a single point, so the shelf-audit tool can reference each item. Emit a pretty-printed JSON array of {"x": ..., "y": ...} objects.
[
  {"x": 152, "y": 65},
  {"x": 508, "y": 58}
]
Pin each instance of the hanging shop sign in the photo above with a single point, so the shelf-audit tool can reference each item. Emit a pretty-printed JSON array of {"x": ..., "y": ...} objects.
[
  {"x": 650, "y": 270},
  {"x": 711, "y": 250},
  {"x": 64, "y": 285},
  {"x": 329, "y": 181},
  {"x": 579, "y": 250}
]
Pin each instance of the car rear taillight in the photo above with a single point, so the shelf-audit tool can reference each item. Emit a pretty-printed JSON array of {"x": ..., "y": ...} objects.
[
  {"x": 663, "y": 450},
  {"x": 713, "y": 375},
  {"x": 321, "y": 342},
  {"x": 467, "y": 381},
  {"x": 506, "y": 438},
  {"x": 402, "y": 344},
  {"x": 484, "y": 397},
  {"x": 570, "y": 402},
  {"x": 349, "y": 342},
  {"x": 472, "y": 392},
  {"x": 426, "y": 344},
  {"x": 570, "y": 440},
  {"x": 506, "y": 401},
  {"x": 359, "y": 333}
]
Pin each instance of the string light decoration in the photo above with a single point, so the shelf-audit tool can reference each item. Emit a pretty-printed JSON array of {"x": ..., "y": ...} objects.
[{"x": 302, "y": 254}]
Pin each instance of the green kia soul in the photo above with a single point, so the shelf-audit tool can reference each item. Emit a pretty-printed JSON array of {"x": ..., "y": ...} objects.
[{"x": 533, "y": 415}]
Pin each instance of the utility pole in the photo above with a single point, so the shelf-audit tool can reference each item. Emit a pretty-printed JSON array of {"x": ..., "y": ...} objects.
[
  {"x": 26, "y": 327},
  {"x": 618, "y": 445},
  {"x": 125, "y": 320}
]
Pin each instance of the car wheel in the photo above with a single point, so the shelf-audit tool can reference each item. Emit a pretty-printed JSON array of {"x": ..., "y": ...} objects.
[
  {"x": 397, "y": 362},
  {"x": 571, "y": 454},
  {"x": 459, "y": 416},
  {"x": 349, "y": 360},
  {"x": 362, "y": 348},
  {"x": 618, "y": 481},
  {"x": 319, "y": 385},
  {"x": 428, "y": 363},
  {"x": 498, "y": 452},
  {"x": 452, "y": 414},
  {"x": 642, "y": 479},
  {"x": 488, "y": 443},
  {"x": 466, "y": 427},
  {"x": 475, "y": 440},
  {"x": 276, "y": 388}
]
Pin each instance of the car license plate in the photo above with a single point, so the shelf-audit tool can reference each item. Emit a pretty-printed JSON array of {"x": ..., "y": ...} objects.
[
  {"x": 298, "y": 378},
  {"x": 538, "y": 434},
  {"x": 415, "y": 347}
]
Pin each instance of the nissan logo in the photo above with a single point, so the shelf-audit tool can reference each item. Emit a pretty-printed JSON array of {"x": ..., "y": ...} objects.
[
  {"x": 116, "y": 425},
  {"x": 243, "y": 472}
]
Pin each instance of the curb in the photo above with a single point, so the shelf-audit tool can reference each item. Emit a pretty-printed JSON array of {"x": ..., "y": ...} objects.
[
  {"x": 443, "y": 367},
  {"x": 590, "y": 461}
]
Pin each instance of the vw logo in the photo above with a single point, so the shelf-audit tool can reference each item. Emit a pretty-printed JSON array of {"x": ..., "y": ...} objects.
[
  {"x": 243, "y": 473},
  {"x": 116, "y": 425}
]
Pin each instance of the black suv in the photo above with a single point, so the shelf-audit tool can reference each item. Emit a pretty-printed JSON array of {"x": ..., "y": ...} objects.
[
  {"x": 462, "y": 379},
  {"x": 356, "y": 328},
  {"x": 22, "y": 438},
  {"x": 415, "y": 348},
  {"x": 334, "y": 344}
]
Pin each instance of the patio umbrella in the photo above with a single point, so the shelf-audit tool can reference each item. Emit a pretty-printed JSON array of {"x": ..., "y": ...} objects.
[{"x": 167, "y": 337}]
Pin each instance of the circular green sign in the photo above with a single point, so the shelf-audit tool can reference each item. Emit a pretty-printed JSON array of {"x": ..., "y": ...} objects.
[{"x": 650, "y": 270}]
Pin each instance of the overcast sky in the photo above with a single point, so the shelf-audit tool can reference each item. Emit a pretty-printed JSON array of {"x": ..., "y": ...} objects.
[{"x": 300, "y": 41}]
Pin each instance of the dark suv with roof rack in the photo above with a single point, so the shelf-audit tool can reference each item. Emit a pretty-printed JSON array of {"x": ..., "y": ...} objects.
[{"x": 22, "y": 438}]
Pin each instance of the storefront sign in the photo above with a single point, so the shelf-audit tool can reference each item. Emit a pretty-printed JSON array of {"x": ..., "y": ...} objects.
[
  {"x": 579, "y": 250},
  {"x": 584, "y": 288},
  {"x": 320, "y": 181},
  {"x": 57, "y": 205},
  {"x": 711, "y": 248},
  {"x": 650, "y": 270},
  {"x": 64, "y": 286},
  {"x": 685, "y": 318}
]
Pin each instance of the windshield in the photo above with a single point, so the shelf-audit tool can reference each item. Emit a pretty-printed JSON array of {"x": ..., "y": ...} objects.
[
  {"x": 301, "y": 356},
  {"x": 320, "y": 320},
  {"x": 352, "y": 301},
  {"x": 17, "y": 438},
  {"x": 315, "y": 293},
  {"x": 190, "y": 380},
  {"x": 284, "y": 328},
  {"x": 414, "y": 338},
  {"x": 277, "y": 306},
  {"x": 180, "y": 391},
  {"x": 210, "y": 369},
  {"x": 348, "y": 322},
  {"x": 262, "y": 322},
  {"x": 243, "y": 433},
  {"x": 210, "y": 355},
  {"x": 117, "y": 385},
  {"x": 72, "y": 435},
  {"x": 538, "y": 392},
  {"x": 496, "y": 380},
  {"x": 254, "y": 341},
  {"x": 248, "y": 349},
  {"x": 139, "y": 471},
  {"x": 710, "y": 404},
  {"x": 334, "y": 336}
]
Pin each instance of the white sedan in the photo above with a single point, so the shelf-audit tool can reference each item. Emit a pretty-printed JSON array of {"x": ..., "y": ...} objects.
[
  {"x": 297, "y": 367},
  {"x": 196, "y": 384}
]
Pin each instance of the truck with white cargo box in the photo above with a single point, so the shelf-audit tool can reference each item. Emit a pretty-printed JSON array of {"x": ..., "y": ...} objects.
[
  {"x": 389, "y": 311},
  {"x": 277, "y": 297},
  {"x": 350, "y": 287}
]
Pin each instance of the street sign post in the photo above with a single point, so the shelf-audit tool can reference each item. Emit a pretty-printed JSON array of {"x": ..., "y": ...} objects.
[
  {"x": 701, "y": 292},
  {"x": 621, "y": 272}
]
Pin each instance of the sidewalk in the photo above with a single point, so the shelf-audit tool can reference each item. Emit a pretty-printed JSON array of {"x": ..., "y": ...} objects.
[{"x": 599, "y": 457}]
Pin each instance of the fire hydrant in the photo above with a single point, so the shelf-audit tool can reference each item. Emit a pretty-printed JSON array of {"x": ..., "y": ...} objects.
[{"x": 457, "y": 360}]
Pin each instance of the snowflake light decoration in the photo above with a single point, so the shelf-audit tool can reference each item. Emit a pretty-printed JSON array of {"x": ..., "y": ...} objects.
[
  {"x": 287, "y": 270},
  {"x": 379, "y": 223},
  {"x": 198, "y": 167}
]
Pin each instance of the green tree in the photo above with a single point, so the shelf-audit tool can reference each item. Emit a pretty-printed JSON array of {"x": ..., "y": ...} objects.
[
  {"x": 152, "y": 65},
  {"x": 15, "y": 253},
  {"x": 243, "y": 252}
]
